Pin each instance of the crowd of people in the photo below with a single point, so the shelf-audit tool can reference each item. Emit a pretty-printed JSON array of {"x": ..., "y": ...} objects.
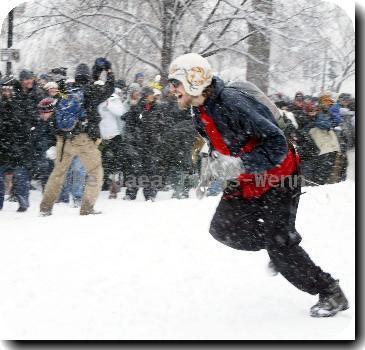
[
  {"x": 74, "y": 136},
  {"x": 323, "y": 130}
]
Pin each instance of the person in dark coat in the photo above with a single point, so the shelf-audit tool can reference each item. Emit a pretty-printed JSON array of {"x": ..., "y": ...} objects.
[
  {"x": 141, "y": 146},
  {"x": 297, "y": 104},
  {"x": 249, "y": 151},
  {"x": 7, "y": 134},
  {"x": 21, "y": 113},
  {"x": 43, "y": 140},
  {"x": 27, "y": 95},
  {"x": 178, "y": 139},
  {"x": 326, "y": 165}
]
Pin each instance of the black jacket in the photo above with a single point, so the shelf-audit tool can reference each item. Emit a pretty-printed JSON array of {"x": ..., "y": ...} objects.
[
  {"x": 43, "y": 136},
  {"x": 23, "y": 115},
  {"x": 238, "y": 119},
  {"x": 142, "y": 140},
  {"x": 178, "y": 137},
  {"x": 7, "y": 134},
  {"x": 93, "y": 96}
]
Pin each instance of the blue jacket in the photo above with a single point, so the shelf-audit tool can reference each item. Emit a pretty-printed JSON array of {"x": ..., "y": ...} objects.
[
  {"x": 238, "y": 119},
  {"x": 329, "y": 120}
]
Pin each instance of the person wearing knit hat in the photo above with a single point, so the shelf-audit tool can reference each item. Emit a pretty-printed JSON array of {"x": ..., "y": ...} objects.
[
  {"x": 134, "y": 87},
  {"x": 26, "y": 74},
  {"x": 43, "y": 138},
  {"x": 79, "y": 135},
  {"x": 250, "y": 154},
  {"x": 82, "y": 74},
  {"x": 133, "y": 94},
  {"x": 23, "y": 103},
  {"x": 194, "y": 73},
  {"x": 26, "y": 78},
  {"x": 42, "y": 79},
  {"x": 146, "y": 91},
  {"x": 139, "y": 78},
  {"x": 51, "y": 88},
  {"x": 298, "y": 103},
  {"x": 325, "y": 101},
  {"x": 142, "y": 127}
]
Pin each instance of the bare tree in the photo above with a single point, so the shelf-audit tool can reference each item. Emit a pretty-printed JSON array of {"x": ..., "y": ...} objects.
[{"x": 274, "y": 39}]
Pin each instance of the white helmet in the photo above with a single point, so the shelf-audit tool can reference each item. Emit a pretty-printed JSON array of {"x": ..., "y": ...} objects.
[{"x": 193, "y": 71}]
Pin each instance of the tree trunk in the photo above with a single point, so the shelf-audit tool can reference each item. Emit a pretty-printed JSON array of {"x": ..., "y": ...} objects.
[
  {"x": 259, "y": 48},
  {"x": 167, "y": 35}
]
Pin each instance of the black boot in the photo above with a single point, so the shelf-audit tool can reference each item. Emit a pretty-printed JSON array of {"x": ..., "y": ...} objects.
[
  {"x": 331, "y": 301},
  {"x": 22, "y": 210}
]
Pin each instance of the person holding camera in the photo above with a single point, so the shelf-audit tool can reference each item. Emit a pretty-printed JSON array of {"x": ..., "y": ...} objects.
[{"x": 78, "y": 134}]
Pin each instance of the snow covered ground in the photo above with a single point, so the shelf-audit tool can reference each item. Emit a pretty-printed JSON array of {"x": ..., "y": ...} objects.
[{"x": 152, "y": 271}]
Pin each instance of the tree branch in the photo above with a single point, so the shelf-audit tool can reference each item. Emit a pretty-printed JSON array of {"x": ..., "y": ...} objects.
[
  {"x": 203, "y": 27},
  {"x": 226, "y": 26},
  {"x": 213, "y": 52},
  {"x": 108, "y": 36}
]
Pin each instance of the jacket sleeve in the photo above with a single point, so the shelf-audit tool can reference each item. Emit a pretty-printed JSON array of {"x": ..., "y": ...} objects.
[
  {"x": 272, "y": 147},
  {"x": 106, "y": 90},
  {"x": 323, "y": 122},
  {"x": 335, "y": 115}
]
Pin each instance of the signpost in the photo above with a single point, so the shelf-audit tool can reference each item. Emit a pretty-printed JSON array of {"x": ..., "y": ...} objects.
[{"x": 10, "y": 55}]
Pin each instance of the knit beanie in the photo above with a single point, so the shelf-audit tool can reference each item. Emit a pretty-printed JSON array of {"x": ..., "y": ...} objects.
[
  {"x": 26, "y": 74},
  {"x": 82, "y": 73}
]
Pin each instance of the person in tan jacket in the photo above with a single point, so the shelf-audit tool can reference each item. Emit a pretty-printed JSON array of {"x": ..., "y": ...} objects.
[{"x": 82, "y": 138}]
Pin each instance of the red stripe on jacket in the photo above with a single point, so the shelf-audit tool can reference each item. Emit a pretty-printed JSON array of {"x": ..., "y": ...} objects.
[{"x": 252, "y": 185}]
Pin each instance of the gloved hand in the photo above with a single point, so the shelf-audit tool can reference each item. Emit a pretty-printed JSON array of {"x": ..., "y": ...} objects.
[
  {"x": 224, "y": 167},
  {"x": 51, "y": 153}
]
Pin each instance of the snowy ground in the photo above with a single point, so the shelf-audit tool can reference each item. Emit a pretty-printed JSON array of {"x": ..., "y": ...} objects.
[{"x": 152, "y": 271}]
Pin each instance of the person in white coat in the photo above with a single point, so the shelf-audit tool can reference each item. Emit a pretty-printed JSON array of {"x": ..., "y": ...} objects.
[{"x": 111, "y": 130}]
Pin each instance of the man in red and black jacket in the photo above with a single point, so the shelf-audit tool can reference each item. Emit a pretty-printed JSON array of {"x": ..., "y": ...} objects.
[{"x": 250, "y": 152}]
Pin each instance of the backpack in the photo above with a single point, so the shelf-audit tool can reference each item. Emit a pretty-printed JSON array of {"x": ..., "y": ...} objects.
[
  {"x": 252, "y": 92},
  {"x": 70, "y": 110}
]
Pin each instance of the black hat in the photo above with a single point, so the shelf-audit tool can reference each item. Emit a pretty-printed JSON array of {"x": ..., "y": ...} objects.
[
  {"x": 120, "y": 84},
  {"x": 146, "y": 91},
  {"x": 344, "y": 96},
  {"x": 82, "y": 73},
  {"x": 26, "y": 74}
]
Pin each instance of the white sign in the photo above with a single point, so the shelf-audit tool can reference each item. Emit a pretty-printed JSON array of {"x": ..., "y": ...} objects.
[{"x": 8, "y": 55}]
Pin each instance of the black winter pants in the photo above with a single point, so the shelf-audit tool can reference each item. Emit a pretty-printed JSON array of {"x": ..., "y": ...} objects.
[
  {"x": 268, "y": 223},
  {"x": 112, "y": 155}
]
